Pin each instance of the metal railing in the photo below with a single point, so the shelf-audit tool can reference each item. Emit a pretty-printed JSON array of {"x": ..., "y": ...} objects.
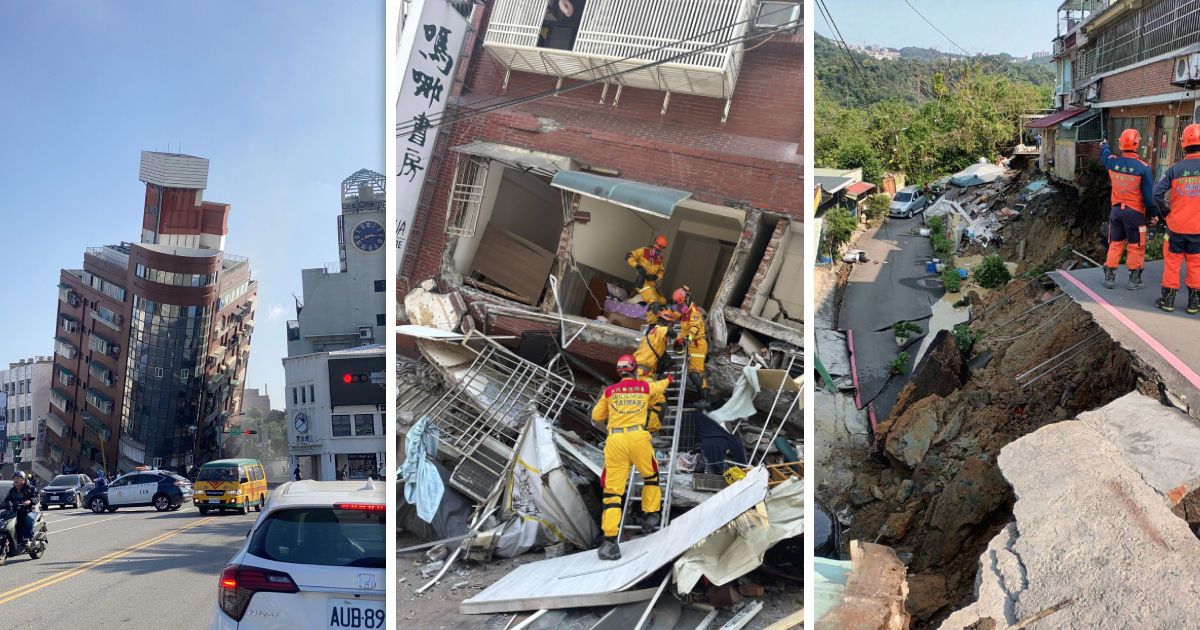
[{"x": 1157, "y": 29}]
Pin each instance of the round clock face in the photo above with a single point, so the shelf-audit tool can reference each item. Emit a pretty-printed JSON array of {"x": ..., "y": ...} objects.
[
  {"x": 302, "y": 422},
  {"x": 367, "y": 236}
]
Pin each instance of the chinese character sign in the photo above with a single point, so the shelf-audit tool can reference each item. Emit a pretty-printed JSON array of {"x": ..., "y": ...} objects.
[{"x": 426, "y": 82}]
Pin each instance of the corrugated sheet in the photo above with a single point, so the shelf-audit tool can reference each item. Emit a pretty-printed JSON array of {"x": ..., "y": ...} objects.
[{"x": 173, "y": 170}]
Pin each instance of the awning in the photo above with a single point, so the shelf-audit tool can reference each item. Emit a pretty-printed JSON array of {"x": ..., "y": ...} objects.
[
  {"x": 55, "y": 452},
  {"x": 859, "y": 189},
  {"x": 56, "y": 424},
  {"x": 536, "y": 162},
  {"x": 1054, "y": 119},
  {"x": 623, "y": 192},
  {"x": 96, "y": 426},
  {"x": 831, "y": 185},
  {"x": 1079, "y": 120}
]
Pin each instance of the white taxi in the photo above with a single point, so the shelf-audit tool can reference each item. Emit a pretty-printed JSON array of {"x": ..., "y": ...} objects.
[{"x": 314, "y": 559}]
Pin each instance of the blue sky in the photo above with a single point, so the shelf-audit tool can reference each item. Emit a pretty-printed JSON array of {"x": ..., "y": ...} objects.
[
  {"x": 285, "y": 98},
  {"x": 1016, "y": 27}
]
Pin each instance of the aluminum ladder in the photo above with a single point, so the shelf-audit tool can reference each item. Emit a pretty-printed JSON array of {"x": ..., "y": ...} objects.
[{"x": 672, "y": 421}]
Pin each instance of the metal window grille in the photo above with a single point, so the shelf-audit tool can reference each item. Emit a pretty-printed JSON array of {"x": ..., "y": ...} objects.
[
  {"x": 466, "y": 197},
  {"x": 1154, "y": 30}
]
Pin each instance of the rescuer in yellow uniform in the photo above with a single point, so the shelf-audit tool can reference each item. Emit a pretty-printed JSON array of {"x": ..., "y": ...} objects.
[
  {"x": 649, "y": 357},
  {"x": 624, "y": 407},
  {"x": 695, "y": 336},
  {"x": 649, "y": 264}
]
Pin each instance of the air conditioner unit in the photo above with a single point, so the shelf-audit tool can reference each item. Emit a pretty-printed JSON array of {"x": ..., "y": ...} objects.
[
  {"x": 1058, "y": 101},
  {"x": 1187, "y": 70},
  {"x": 1092, "y": 94},
  {"x": 775, "y": 14},
  {"x": 366, "y": 333}
]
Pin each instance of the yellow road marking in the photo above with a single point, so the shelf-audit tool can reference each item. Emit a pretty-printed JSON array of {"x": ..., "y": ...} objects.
[{"x": 58, "y": 577}]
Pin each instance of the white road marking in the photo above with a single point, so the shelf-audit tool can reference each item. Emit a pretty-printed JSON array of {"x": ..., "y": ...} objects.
[{"x": 84, "y": 525}]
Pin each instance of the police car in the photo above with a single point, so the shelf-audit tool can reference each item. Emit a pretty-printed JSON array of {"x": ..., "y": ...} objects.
[
  {"x": 314, "y": 559},
  {"x": 144, "y": 487}
]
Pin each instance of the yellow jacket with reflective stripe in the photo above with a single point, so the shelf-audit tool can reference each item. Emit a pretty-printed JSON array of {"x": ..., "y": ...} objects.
[
  {"x": 643, "y": 256},
  {"x": 652, "y": 346},
  {"x": 627, "y": 403},
  {"x": 692, "y": 326}
]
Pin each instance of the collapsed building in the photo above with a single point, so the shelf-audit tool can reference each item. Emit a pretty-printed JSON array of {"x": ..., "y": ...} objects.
[{"x": 515, "y": 299}]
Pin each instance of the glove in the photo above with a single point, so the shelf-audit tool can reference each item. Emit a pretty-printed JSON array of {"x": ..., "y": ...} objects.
[{"x": 670, "y": 379}]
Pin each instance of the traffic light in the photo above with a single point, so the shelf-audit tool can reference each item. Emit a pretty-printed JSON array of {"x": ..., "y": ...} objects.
[
  {"x": 356, "y": 378},
  {"x": 240, "y": 432}
]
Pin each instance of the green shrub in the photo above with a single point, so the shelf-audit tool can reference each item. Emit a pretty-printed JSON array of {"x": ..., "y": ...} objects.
[
  {"x": 839, "y": 227},
  {"x": 964, "y": 337},
  {"x": 904, "y": 329},
  {"x": 936, "y": 225},
  {"x": 951, "y": 279},
  {"x": 899, "y": 365},
  {"x": 963, "y": 302},
  {"x": 992, "y": 272},
  {"x": 877, "y": 206}
]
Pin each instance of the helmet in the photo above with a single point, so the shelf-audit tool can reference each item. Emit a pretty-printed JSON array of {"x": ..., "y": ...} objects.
[
  {"x": 668, "y": 315},
  {"x": 19, "y": 473},
  {"x": 1130, "y": 139},
  {"x": 1191, "y": 135},
  {"x": 626, "y": 364},
  {"x": 660, "y": 242},
  {"x": 683, "y": 295}
]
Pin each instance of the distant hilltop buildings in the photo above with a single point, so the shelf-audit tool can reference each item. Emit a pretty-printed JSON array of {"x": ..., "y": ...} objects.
[
  {"x": 878, "y": 52},
  {"x": 911, "y": 52}
]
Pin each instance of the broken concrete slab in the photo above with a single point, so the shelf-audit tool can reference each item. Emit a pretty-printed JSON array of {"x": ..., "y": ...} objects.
[
  {"x": 874, "y": 592},
  {"x": 1091, "y": 526},
  {"x": 583, "y": 579},
  {"x": 442, "y": 311}
]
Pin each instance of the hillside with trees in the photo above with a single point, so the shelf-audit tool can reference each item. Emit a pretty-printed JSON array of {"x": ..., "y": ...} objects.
[{"x": 924, "y": 118}]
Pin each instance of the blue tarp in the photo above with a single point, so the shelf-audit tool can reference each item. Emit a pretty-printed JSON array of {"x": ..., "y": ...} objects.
[{"x": 422, "y": 484}]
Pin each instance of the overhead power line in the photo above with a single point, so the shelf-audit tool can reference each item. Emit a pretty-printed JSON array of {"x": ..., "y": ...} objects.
[
  {"x": 840, "y": 42},
  {"x": 910, "y": 5}
]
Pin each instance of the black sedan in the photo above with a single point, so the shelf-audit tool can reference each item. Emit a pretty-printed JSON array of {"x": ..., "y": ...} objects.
[
  {"x": 158, "y": 488},
  {"x": 66, "y": 491}
]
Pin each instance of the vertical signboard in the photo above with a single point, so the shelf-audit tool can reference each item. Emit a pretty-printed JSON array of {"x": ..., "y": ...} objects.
[
  {"x": 41, "y": 440},
  {"x": 433, "y": 40},
  {"x": 3, "y": 425}
]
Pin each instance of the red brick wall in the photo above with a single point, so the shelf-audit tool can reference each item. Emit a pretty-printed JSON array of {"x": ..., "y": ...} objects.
[{"x": 1147, "y": 80}]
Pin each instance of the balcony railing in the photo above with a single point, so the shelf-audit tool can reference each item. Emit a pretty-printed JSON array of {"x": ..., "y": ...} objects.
[
  {"x": 1157, "y": 29},
  {"x": 639, "y": 31}
]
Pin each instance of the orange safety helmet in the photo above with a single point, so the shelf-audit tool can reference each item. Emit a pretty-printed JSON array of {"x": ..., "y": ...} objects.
[
  {"x": 1130, "y": 139},
  {"x": 660, "y": 242},
  {"x": 626, "y": 364},
  {"x": 683, "y": 295},
  {"x": 668, "y": 315},
  {"x": 1190, "y": 136}
]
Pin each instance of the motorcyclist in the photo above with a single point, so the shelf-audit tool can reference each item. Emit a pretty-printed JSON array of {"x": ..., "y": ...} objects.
[{"x": 23, "y": 497}]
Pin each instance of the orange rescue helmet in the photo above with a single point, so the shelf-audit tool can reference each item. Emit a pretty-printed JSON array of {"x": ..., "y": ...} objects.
[
  {"x": 627, "y": 364},
  {"x": 668, "y": 315},
  {"x": 660, "y": 242},
  {"x": 1130, "y": 139},
  {"x": 1190, "y": 136},
  {"x": 683, "y": 295}
]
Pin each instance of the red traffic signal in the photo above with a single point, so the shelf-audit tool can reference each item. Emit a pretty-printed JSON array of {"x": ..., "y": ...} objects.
[
  {"x": 28, "y": 438},
  {"x": 356, "y": 378}
]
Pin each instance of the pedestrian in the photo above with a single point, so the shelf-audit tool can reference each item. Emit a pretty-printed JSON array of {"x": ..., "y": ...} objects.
[
  {"x": 345, "y": 472},
  {"x": 1177, "y": 196},
  {"x": 296, "y": 473},
  {"x": 101, "y": 480},
  {"x": 648, "y": 261},
  {"x": 694, "y": 339},
  {"x": 23, "y": 498},
  {"x": 624, "y": 407},
  {"x": 1132, "y": 196}
]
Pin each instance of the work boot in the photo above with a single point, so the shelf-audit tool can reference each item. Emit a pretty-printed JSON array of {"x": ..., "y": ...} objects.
[
  {"x": 1193, "y": 301},
  {"x": 704, "y": 402},
  {"x": 609, "y": 550},
  {"x": 1167, "y": 301},
  {"x": 1135, "y": 279},
  {"x": 650, "y": 522},
  {"x": 1110, "y": 278}
]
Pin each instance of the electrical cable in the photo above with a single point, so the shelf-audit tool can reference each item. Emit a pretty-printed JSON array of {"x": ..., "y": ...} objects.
[{"x": 910, "y": 5}]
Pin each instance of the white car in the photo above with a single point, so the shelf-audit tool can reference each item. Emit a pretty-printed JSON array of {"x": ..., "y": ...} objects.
[{"x": 314, "y": 559}]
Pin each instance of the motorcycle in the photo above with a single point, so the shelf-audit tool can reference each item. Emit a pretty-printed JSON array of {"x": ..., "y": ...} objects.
[{"x": 9, "y": 545}]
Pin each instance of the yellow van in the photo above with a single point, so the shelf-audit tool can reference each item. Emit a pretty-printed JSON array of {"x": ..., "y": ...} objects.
[{"x": 231, "y": 484}]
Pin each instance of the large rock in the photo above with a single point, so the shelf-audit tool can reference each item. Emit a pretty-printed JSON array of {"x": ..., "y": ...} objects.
[
  {"x": 976, "y": 492},
  {"x": 907, "y": 438},
  {"x": 940, "y": 372}
]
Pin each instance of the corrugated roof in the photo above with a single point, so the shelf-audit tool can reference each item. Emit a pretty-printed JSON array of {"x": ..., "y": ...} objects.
[
  {"x": 1054, "y": 119},
  {"x": 859, "y": 188}
]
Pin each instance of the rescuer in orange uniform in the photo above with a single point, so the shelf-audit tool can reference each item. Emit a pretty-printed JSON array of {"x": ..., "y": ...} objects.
[
  {"x": 1177, "y": 196},
  {"x": 1132, "y": 196},
  {"x": 650, "y": 359},
  {"x": 649, "y": 264},
  {"x": 695, "y": 337},
  {"x": 625, "y": 407}
]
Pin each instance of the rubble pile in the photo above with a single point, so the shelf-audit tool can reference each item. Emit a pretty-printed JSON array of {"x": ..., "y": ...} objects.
[{"x": 935, "y": 493}]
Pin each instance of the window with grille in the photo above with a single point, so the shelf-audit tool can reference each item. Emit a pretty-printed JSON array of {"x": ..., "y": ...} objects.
[
  {"x": 466, "y": 197},
  {"x": 341, "y": 426}
]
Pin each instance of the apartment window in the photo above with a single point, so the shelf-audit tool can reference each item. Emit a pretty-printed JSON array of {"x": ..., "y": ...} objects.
[
  {"x": 341, "y": 426},
  {"x": 183, "y": 374},
  {"x": 466, "y": 196},
  {"x": 312, "y": 395},
  {"x": 379, "y": 286},
  {"x": 364, "y": 424},
  {"x": 303, "y": 398},
  {"x": 295, "y": 397},
  {"x": 380, "y": 319}
]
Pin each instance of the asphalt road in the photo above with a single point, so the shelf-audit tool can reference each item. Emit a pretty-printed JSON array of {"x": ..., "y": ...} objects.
[
  {"x": 133, "y": 568},
  {"x": 893, "y": 286}
]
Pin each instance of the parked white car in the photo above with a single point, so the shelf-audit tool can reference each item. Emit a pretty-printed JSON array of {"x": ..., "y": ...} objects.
[
  {"x": 907, "y": 202},
  {"x": 314, "y": 559}
]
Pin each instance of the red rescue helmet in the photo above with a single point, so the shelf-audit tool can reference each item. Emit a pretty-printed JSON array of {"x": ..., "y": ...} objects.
[
  {"x": 660, "y": 242},
  {"x": 683, "y": 295},
  {"x": 1130, "y": 139},
  {"x": 627, "y": 364},
  {"x": 1190, "y": 136}
]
